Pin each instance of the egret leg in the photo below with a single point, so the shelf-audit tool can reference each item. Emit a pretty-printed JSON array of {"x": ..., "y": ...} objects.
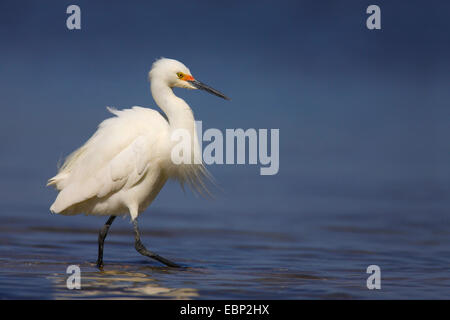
[
  {"x": 101, "y": 240},
  {"x": 142, "y": 250}
]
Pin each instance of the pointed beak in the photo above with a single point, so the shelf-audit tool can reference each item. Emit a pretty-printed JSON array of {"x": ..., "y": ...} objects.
[{"x": 202, "y": 86}]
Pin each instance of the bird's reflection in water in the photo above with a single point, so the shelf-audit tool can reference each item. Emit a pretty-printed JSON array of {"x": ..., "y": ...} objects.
[{"x": 118, "y": 284}]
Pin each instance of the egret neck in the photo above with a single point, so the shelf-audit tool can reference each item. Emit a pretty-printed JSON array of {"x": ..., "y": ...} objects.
[{"x": 178, "y": 112}]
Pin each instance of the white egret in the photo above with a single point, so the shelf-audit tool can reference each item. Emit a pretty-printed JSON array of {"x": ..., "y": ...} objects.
[{"x": 123, "y": 166}]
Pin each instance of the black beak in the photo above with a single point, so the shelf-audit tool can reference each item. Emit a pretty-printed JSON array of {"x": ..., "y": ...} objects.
[{"x": 202, "y": 86}]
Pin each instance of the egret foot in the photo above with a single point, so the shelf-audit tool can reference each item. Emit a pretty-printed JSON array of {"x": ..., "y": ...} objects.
[
  {"x": 142, "y": 250},
  {"x": 101, "y": 240}
]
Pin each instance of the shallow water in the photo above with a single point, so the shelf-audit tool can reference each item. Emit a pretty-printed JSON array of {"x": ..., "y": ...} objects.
[
  {"x": 308, "y": 256},
  {"x": 364, "y": 155}
]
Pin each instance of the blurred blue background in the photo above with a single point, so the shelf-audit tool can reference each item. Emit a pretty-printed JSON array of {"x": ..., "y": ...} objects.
[{"x": 363, "y": 115}]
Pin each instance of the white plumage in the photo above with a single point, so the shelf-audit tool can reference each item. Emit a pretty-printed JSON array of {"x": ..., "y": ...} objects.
[{"x": 124, "y": 165}]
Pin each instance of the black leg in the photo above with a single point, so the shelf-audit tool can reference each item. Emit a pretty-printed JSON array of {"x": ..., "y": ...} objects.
[
  {"x": 101, "y": 240},
  {"x": 142, "y": 250}
]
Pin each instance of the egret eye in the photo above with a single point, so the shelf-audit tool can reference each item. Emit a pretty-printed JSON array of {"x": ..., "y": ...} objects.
[{"x": 180, "y": 75}]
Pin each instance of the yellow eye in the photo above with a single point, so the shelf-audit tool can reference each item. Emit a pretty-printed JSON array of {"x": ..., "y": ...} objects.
[{"x": 180, "y": 75}]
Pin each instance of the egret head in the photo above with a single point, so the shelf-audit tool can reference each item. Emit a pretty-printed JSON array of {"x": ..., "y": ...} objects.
[{"x": 175, "y": 74}]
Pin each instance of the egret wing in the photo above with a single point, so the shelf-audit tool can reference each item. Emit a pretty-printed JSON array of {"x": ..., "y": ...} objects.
[{"x": 115, "y": 157}]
